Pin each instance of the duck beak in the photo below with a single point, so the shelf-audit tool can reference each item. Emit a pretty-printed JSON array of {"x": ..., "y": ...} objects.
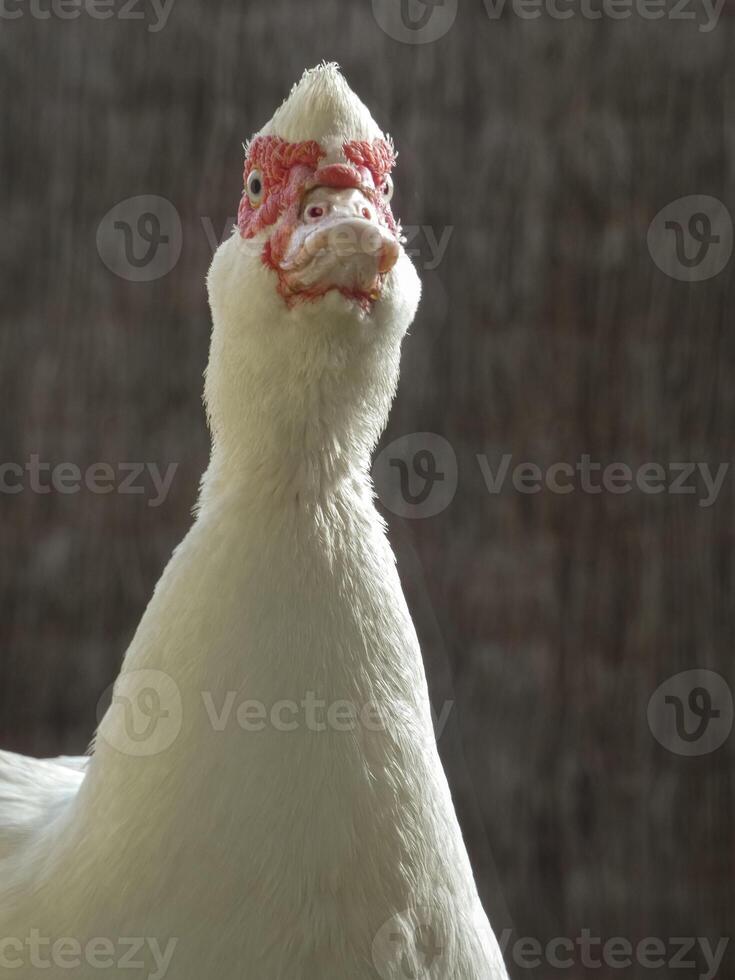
[{"x": 339, "y": 241}]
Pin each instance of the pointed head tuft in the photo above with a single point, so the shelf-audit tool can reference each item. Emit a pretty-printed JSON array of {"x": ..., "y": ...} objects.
[{"x": 322, "y": 106}]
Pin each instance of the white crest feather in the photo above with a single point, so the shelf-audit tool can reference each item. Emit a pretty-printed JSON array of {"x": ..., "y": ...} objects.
[{"x": 322, "y": 105}]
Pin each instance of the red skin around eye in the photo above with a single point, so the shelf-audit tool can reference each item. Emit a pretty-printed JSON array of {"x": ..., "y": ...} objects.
[
  {"x": 379, "y": 158},
  {"x": 277, "y": 161}
]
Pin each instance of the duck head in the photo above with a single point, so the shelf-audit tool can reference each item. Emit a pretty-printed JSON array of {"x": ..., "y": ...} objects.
[
  {"x": 313, "y": 292},
  {"x": 317, "y": 190}
]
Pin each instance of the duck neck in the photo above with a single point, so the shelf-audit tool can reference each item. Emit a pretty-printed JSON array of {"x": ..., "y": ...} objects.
[{"x": 270, "y": 471}]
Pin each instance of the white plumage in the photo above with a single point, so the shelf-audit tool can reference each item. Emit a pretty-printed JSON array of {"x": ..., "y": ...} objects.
[{"x": 256, "y": 842}]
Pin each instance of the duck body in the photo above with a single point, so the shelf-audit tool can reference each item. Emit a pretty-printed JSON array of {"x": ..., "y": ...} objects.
[
  {"x": 285, "y": 848},
  {"x": 265, "y": 798}
]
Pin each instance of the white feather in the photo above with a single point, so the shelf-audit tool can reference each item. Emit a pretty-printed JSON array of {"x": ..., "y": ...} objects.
[
  {"x": 321, "y": 106},
  {"x": 32, "y": 791}
]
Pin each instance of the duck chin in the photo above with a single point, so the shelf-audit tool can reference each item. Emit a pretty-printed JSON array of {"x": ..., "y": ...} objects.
[
  {"x": 351, "y": 257},
  {"x": 356, "y": 278}
]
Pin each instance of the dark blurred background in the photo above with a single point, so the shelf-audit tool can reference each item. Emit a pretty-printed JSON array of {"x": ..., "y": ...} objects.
[{"x": 553, "y": 325}]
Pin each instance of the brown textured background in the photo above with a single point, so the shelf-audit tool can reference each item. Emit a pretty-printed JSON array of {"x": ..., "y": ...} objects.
[{"x": 547, "y": 331}]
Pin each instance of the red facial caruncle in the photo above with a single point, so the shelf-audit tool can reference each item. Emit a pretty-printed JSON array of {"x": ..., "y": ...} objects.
[{"x": 280, "y": 180}]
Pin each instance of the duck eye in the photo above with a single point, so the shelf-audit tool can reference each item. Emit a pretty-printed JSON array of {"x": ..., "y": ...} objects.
[
  {"x": 254, "y": 187},
  {"x": 386, "y": 188}
]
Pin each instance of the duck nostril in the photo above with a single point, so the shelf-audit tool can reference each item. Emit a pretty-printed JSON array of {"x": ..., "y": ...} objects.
[{"x": 367, "y": 213}]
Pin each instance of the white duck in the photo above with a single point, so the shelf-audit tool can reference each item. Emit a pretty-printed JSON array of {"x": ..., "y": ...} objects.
[{"x": 265, "y": 799}]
